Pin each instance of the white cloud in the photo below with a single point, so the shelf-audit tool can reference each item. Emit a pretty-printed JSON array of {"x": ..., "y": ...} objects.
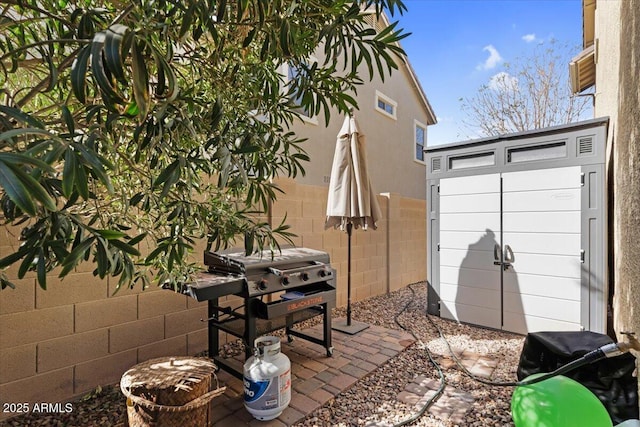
[
  {"x": 503, "y": 81},
  {"x": 529, "y": 38},
  {"x": 492, "y": 61}
]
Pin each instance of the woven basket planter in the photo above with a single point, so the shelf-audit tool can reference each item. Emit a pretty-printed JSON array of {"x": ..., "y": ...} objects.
[{"x": 170, "y": 392}]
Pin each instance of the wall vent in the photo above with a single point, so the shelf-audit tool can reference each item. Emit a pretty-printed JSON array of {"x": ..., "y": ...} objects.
[
  {"x": 436, "y": 164},
  {"x": 585, "y": 145}
]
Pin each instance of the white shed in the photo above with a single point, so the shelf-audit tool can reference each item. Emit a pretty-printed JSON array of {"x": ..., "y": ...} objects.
[{"x": 516, "y": 230}]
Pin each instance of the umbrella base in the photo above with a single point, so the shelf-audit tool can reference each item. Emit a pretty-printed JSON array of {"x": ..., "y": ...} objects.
[{"x": 355, "y": 327}]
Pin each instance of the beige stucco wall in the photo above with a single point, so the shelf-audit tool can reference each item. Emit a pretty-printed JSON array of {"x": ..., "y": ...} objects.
[
  {"x": 607, "y": 58},
  {"x": 65, "y": 341},
  {"x": 390, "y": 143},
  {"x": 383, "y": 260},
  {"x": 617, "y": 33},
  {"x": 627, "y": 174}
]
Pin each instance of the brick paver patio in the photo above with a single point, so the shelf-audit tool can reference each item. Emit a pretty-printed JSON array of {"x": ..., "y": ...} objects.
[{"x": 315, "y": 377}]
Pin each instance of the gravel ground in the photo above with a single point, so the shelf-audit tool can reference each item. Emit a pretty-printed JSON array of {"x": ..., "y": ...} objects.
[{"x": 372, "y": 400}]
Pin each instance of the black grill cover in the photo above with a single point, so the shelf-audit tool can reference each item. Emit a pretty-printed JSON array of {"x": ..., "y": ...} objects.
[{"x": 611, "y": 379}]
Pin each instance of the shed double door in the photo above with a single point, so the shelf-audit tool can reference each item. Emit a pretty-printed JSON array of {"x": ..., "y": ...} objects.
[{"x": 509, "y": 250}]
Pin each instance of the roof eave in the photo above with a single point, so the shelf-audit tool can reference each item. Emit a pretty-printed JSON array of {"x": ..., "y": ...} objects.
[
  {"x": 588, "y": 22},
  {"x": 431, "y": 119}
]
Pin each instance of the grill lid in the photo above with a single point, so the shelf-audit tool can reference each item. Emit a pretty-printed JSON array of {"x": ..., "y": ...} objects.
[{"x": 236, "y": 262}]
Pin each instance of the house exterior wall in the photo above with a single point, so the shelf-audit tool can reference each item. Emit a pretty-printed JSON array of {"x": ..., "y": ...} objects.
[
  {"x": 627, "y": 174},
  {"x": 67, "y": 340},
  {"x": 607, "y": 34},
  {"x": 617, "y": 95},
  {"x": 389, "y": 142}
]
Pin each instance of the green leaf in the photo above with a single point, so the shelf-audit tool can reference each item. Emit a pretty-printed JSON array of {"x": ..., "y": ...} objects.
[
  {"x": 168, "y": 177},
  {"x": 14, "y": 257},
  {"x": 35, "y": 190},
  {"x": 97, "y": 164},
  {"x": 69, "y": 172},
  {"x": 68, "y": 119},
  {"x": 85, "y": 27},
  {"x": 124, "y": 247},
  {"x": 42, "y": 269},
  {"x": 53, "y": 72},
  {"x": 10, "y": 134},
  {"x": 285, "y": 37},
  {"x": 132, "y": 109},
  {"x": 16, "y": 190},
  {"x": 140, "y": 81},
  {"x": 110, "y": 234},
  {"x": 137, "y": 239},
  {"x": 20, "y": 116},
  {"x": 20, "y": 159},
  {"x": 4, "y": 283},
  {"x": 154, "y": 254},
  {"x": 79, "y": 252},
  {"x": 166, "y": 72},
  {"x": 27, "y": 263},
  {"x": 79, "y": 74},
  {"x": 82, "y": 182},
  {"x": 113, "y": 50},
  {"x": 247, "y": 40},
  {"x": 136, "y": 198},
  {"x": 109, "y": 94},
  {"x": 222, "y": 10},
  {"x": 187, "y": 20},
  {"x": 261, "y": 12},
  {"x": 103, "y": 261}
]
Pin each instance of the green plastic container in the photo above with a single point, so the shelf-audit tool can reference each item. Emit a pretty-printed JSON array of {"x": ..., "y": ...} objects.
[{"x": 557, "y": 402}]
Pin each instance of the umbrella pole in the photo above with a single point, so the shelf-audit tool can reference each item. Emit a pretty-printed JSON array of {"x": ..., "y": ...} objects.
[
  {"x": 347, "y": 326},
  {"x": 349, "y": 228}
]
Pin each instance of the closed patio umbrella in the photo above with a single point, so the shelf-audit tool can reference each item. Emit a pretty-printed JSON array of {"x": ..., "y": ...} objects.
[{"x": 351, "y": 201}]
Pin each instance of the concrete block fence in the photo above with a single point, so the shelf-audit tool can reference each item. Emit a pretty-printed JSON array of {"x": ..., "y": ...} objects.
[{"x": 64, "y": 342}]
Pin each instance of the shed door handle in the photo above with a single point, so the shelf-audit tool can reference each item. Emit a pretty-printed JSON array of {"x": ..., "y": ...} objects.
[
  {"x": 496, "y": 254},
  {"x": 508, "y": 254}
]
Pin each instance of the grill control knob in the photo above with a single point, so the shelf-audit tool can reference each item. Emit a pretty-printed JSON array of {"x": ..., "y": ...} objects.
[
  {"x": 323, "y": 273},
  {"x": 263, "y": 284},
  {"x": 304, "y": 277},
  {"x": 285, "y": 280}
]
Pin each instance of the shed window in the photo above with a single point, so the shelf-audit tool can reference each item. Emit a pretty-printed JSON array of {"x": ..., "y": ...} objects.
[
  {"x": 475, "y": 160},
  {"x": 552, "y": 150}
]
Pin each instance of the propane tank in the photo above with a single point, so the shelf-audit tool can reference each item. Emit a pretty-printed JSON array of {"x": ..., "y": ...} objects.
[{"x": 267, "y": 380}]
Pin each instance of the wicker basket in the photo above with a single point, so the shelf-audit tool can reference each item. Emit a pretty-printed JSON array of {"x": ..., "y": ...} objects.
[{"x": 170, "y": 392}]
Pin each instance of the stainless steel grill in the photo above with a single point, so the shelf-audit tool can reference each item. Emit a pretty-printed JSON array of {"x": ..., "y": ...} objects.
[{"x": 279, "y": 290}]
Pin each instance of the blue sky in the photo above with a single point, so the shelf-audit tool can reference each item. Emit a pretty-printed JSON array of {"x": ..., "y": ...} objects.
[{"x": 456, "y": 46}]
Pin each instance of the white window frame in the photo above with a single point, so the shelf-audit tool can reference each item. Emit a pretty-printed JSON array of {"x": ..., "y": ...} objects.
[
  {"x": 417, "y": 124},
  {"x": 384, "y": 98},
  {"x": 285, "y": 72}
]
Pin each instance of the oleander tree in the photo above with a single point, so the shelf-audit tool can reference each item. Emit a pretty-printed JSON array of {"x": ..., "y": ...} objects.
[
  {"x": 131, "y": 130},
  {"x": 532, "y": 92}
]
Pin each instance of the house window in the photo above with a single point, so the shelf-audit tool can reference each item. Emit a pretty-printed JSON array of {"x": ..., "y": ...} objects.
[
  {"x": 420, "y": 139},
  {"x": 295, "y": 74},
  {"x": 386, "y": 105}
]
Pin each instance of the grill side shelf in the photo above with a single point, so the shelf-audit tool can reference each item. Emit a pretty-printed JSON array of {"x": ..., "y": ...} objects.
[{"x": 211, "y": 286}]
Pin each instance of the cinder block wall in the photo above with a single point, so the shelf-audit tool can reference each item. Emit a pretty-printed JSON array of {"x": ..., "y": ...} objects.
[
  {"x": 382, "y": 260},
  {"x": 76, "y": 335}
]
